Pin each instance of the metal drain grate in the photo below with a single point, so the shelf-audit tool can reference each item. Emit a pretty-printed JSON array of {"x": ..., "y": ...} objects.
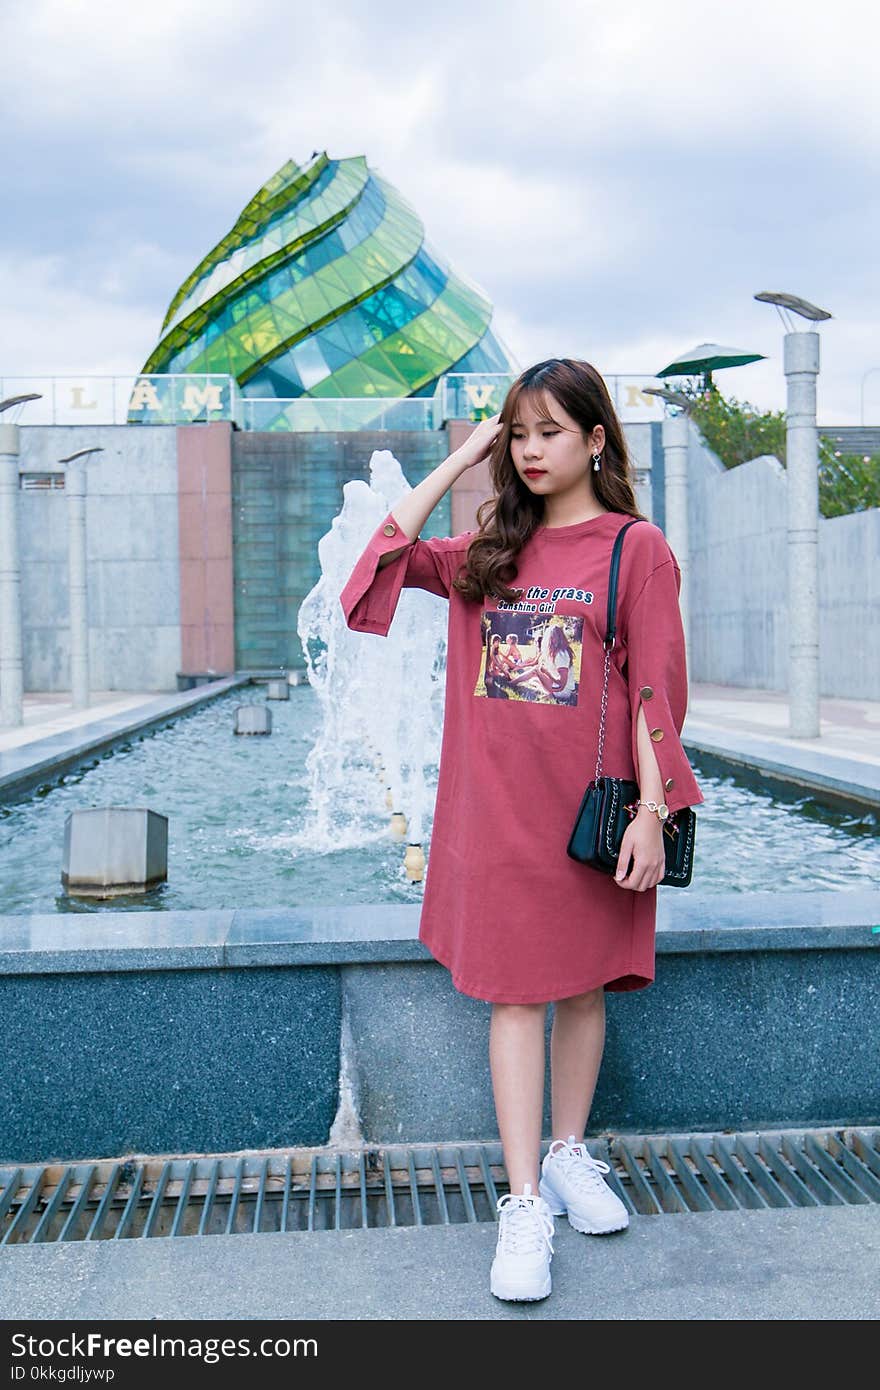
[{"x": 421, "y": 1185}]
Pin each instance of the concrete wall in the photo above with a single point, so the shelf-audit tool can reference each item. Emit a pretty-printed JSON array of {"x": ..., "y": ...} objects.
[
  {"x": 724, "y": 1039},
  {"x": 738, "y": 590},
  {"x": 133, "y": 566},
  {"x": 203, "y": 543},
  {"x": 849, "y": 598},
  {"x": 185, "y": 1061},
  {"x": 738, "y": 524}
]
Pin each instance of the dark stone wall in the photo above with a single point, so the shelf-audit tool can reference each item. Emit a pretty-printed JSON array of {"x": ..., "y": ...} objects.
[
  {"x": 180, "y": 1032},
  {"x": 286, "y": 489},
  {"x": 731, "y": 1039},
  {"x": 168, "y": 1061}
]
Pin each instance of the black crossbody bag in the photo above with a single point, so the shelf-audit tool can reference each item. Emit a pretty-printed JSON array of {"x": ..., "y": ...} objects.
[{"x": 609, "y": 802}]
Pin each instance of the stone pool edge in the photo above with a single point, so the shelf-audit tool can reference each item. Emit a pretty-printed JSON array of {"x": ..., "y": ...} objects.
[
  {"x": 24, "y": 767},
  {"x": 79, "y": 943}
]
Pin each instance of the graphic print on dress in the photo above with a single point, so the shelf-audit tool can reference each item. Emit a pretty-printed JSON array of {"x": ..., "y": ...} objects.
[{"x": 531, "y": 656}]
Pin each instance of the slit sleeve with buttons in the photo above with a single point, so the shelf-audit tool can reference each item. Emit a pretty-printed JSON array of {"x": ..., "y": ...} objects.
[
  {"x": 369, "y": 598},
  {"x": 657, "y": 679}
]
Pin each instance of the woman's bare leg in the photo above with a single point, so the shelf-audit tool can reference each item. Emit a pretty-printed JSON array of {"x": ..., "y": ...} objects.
[
  {"x": 516, "y": 1059},
  {"x": 526, "y": 675},
  {"x": 531, "y": 683},
  {"x": 577, "y": 1040}
]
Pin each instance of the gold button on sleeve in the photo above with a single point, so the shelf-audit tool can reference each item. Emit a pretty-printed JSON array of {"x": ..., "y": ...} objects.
[
  {"x": 656, "y": 735},
  {"x": 646, "y": 692},
  {"x": 389, "y": 529},
  {"x": 669, "y": 783}
]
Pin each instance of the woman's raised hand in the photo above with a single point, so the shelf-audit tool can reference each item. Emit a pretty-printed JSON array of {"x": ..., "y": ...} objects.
[{"x": 479, "y": 442}]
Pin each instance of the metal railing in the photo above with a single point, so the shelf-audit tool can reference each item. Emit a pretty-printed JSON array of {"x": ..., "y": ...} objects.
[
  {"x": 187, "y": 398},
  {"x": 171, "y": 399},
  {"x": 477, "y": 395},
  {"x": 313, "y": 413}
]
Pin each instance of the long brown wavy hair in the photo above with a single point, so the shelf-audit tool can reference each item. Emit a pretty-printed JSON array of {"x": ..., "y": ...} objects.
[{"x": 507, "y": 519}]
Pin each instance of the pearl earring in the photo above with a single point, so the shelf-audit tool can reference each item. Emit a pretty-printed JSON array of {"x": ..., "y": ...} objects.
[{"x": 597, "y": 459}]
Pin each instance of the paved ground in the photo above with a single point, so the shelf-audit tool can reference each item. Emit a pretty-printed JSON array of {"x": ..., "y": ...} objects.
[
  {"x": 804, "y": 1264},
  {"x": 47, "y": 712},
  {"x": 848, "y": 728}
]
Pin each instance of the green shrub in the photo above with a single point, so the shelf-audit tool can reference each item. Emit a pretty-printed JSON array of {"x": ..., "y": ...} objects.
[
  {"x": 737, "y": 431},
  {"x": 847, "y": 482}
]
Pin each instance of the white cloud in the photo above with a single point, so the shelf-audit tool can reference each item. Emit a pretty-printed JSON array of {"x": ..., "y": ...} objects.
[
  {"x": 521, "y": 223},
  {"x": 52, "y": 325},
  {"x": 80, "y": 59}
]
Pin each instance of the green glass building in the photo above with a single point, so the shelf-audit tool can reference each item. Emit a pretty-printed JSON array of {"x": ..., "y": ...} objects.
[{"x": 326, "y": 287}]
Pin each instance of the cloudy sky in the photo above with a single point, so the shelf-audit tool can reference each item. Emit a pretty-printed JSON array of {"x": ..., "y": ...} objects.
[{"x": 620, "y": 178}]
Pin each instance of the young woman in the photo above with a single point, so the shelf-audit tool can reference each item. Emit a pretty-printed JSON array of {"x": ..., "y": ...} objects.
[{"x": 562, "y": 489}]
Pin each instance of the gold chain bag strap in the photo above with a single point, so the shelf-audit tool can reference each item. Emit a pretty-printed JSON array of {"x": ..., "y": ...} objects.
[{"x": 609, "y": 803}]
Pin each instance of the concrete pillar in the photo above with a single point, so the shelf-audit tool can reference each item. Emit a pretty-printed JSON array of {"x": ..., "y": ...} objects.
[
  {"x": 801, "y": 369},
  {"x": 471, "y": 487},
  {"x": 11, "y": 680},
  {"x": 75, "y": 491},
  {"x": 676, "y": 433}
]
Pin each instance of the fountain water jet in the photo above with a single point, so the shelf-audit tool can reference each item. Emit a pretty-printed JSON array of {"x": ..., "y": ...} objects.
[{"x": 381, "y": 698}]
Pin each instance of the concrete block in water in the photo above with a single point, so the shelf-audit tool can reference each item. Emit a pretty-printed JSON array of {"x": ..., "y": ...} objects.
[
  {"x": 253, "y": 719},
  {"x": 110, "y": 850},
  {"x": 278, "y": 690}
]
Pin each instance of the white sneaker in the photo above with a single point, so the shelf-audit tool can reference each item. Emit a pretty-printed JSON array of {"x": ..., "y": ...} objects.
[
  {"x": 521, "y": 1268},
  {"x": 572, "y": 1184}
]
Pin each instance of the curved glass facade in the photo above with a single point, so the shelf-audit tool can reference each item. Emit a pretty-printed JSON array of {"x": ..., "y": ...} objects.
[{"x": 326, "y": 287}]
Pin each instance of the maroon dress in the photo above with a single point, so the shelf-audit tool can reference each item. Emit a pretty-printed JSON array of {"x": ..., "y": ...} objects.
[{"x": 513, "y": 918}]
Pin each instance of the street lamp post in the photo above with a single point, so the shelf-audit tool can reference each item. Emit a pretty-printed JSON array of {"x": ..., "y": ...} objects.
[
  {"x": 77, "y": 558},
  {"x": 801, "y": 361},
  {"x": 676, "y": 433},
  {"x": 11, "y": 667}
]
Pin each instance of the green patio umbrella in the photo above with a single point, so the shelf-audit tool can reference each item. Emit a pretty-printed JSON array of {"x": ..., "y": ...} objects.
[{"x": 706, "y": 358}]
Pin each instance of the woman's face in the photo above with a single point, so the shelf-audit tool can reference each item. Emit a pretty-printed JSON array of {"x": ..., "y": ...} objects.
[{"x": 551, "y": 455}]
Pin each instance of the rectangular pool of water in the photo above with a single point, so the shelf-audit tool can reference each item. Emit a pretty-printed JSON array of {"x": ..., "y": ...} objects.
[{"x": 242, "y": 832}]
